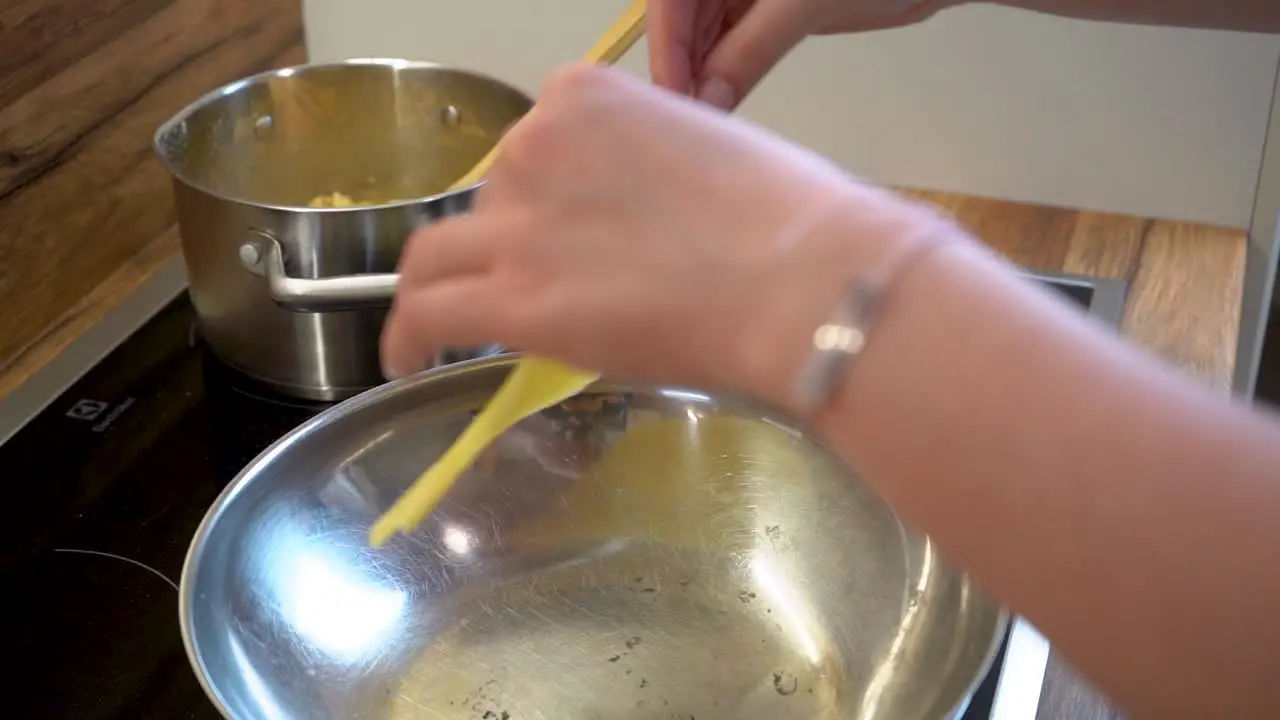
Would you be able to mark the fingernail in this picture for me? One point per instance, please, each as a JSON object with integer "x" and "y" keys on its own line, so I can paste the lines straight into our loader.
{"x": 717, "y": 93}
{"x": 391, "y": 373}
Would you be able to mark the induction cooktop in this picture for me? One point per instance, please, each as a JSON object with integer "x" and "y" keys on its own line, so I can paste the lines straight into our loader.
{"x": 111, "y": 456}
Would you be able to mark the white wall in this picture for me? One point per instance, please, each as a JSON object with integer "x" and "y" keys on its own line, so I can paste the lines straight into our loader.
{"x": 984, "y": 100}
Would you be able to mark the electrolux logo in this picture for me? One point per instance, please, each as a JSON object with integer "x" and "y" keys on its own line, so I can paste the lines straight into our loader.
{"x": 88, "y": 410}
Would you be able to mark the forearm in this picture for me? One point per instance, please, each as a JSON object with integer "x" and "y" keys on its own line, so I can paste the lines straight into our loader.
{"x": 1128, "y": 514}
{"x": 1246, "y": 15}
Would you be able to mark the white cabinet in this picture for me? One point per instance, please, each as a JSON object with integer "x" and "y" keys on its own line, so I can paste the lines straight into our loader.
{"x": 983, "y": 100}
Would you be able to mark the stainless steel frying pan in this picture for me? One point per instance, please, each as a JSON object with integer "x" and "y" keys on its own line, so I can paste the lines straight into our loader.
{"x": 637, "y": 552}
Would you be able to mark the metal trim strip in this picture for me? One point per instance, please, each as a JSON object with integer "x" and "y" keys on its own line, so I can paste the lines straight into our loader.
{"x": 1022, "y": 675}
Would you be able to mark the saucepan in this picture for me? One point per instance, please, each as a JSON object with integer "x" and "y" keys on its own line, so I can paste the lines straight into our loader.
{"x": 636, "y": 552}
{"x": 295, "y": 191}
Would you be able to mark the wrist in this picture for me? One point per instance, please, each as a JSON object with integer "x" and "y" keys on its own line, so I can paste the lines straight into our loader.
{"x": 868, "y": 234}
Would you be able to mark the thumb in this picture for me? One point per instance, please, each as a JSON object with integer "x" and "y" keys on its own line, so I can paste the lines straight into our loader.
{"x": 750, "y": 49}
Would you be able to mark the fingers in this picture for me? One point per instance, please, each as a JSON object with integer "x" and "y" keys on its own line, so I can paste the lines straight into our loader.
{"x": 460, "y": 312}
{"x": 445, "y": 293}
{"x": 671, "y": 30}
{"x": 758, "y": 42}
{"x": 445, "y": 248}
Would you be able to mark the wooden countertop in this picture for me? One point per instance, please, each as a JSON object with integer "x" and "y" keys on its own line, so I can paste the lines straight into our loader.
{"x": 88, "y": 214}
{"x": 1185, "y": 279}
{"x": 87, "y": 211}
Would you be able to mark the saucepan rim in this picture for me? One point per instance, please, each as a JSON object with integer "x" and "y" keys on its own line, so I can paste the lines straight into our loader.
{"x": 372, "y": 396}
{"x": 167, "y": 127}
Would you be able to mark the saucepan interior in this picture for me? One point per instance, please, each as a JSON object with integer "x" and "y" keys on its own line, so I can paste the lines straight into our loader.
{"x": 377, "y": 131}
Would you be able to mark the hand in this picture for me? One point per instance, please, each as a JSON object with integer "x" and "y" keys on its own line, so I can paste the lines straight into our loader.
{"x": 633, "y": 232}
{"x": 718, "y": 50}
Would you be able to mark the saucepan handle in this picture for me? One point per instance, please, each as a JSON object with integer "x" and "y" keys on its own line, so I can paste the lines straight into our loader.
{"x": 262, "y": 254}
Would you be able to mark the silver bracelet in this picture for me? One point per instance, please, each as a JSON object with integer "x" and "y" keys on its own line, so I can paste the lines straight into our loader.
{"x": 842, "y": 337}
{"x": 836, "y": 343}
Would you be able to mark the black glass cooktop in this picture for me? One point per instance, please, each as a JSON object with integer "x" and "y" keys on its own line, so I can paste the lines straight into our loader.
{"x": 102, "y": 492}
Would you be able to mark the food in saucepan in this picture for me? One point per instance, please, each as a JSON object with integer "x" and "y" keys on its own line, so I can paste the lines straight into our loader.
{"x": 342, "y": 200}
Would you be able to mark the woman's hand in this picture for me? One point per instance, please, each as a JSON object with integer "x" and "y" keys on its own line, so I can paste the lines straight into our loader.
{"x": 717, "y": 50}
{"x": 636, "y": 233}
